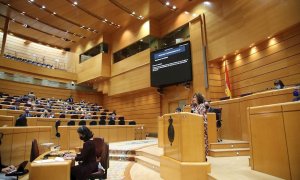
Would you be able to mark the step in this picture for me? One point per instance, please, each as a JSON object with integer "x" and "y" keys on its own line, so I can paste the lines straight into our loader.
{"x": 210, "y": 177}
{"x": 148, "y": 155}
{"x": 122, "y": 157}
{"x": 229, "y": 145}
{"x": 113, "y": 151}
{"x": 229, "y": 152}
{"x": 147, "y": 162}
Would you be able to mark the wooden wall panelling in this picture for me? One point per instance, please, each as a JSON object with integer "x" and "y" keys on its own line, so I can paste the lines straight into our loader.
{"x": 18, "y": 145}
{"x": 242, "y": 26}
{"x": 273, "y": 59}
{"x": 142, "y": 107}
{"x": 6, "y": 145}
{"x": 292, "y": 125}
{"x": 7, "y": 120}
{"x": 136, "y": 79}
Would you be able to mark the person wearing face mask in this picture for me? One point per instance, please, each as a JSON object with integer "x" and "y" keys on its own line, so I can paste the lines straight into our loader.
{"x": 278, "y": 84}
{"x": 87, "y": 157}
{"x": 197, "y": 106}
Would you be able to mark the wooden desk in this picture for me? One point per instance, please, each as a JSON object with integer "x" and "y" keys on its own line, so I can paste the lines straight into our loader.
{"x": 50, "y": 170}
{"x": 275, "y": 145}
{"x": 234, "y": 111}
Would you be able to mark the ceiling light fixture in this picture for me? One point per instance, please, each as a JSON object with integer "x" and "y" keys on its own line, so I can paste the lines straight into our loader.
{"x": 127, "y": 10}
{"x": 43, "y": 7}
{"x": 36, "y": 19}
{"x": 168, "y": 4}
{"x": 75, "y": 4}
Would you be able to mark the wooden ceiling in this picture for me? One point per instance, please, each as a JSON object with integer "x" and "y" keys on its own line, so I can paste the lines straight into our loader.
{"x": 87, "y": 19}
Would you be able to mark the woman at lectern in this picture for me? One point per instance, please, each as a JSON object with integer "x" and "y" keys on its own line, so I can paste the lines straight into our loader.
{"x": 87, "y": 157}
{"x": 197, "y": 106}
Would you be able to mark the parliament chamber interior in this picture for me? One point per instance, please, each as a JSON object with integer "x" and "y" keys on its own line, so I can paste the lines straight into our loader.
{"x": 152, "y": 89}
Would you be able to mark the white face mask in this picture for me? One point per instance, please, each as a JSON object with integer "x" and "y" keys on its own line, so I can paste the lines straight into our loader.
{"x": 278, "y": 87}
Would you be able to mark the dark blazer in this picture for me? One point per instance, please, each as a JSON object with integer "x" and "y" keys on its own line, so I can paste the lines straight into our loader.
{"x": 87, "y": 159}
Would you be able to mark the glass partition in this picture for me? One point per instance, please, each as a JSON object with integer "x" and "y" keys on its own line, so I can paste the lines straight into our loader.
{"x": 100, "y": 48}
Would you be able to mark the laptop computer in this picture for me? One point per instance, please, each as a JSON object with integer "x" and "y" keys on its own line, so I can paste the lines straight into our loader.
{"x": 19, "y": 171}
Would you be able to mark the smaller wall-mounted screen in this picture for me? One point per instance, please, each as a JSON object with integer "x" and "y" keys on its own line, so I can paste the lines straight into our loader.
{"x": 172, "y": 65}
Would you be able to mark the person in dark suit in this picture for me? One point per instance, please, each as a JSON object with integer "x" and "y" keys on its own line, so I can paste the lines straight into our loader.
{"x": 21, "y": 121}
{"x": 87, "y": 157}
{"x": 70, "y": 99}
{"x": 278, "y": 84}
{"x": 27, "y": 113}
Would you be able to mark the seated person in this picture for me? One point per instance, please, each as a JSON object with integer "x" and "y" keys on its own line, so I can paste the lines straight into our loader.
{"x": 27, "y": 113}
{"x": 14, "y": 107}
{"x": 32, "y": 96}
{"x": 21, "y": 121}
{"x": 178, "y": 110}
{"x": 296, "y": 94}
{"x": 70, "y": 99}
{"x": 87, "y": 157}
{"x": 278, "y": 84}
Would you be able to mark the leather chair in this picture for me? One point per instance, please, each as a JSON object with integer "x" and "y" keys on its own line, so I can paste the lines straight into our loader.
{"x": 82, "y": 123}
{"x": 132, "y": 123}
{"x": 93, "y": 123}
{"x": 74, "y": 117}
{"x": 34, "y": 150}
{"x": 102, "y": 122}
{"x": 102, "y": 154}
{"x": 57, "y": 123}
{"x": 71, "y": 123}
{"x": 62, "y": 116}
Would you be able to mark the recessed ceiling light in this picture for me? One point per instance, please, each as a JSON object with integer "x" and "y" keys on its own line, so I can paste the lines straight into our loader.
{"x": 167, "y": 3}
{"x": 37, "y": 19}
{"x": 133, "y": 13}
{"x": 207, "y": 3}
{"x": 43, "y": 6}
{"x": 194, "y": 15}
{"x": 54, "y": 13}
{"x": 174, "y": 7}
{"x": 8, "y": 4}
{"x": 185, "y": 12}
{"x": 75, "y": 2}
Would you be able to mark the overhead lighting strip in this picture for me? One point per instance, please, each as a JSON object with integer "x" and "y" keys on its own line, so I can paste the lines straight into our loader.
{"x": 102, "y": 19}
{"x": 127, "y": 10}
{"x": 53, "y": 13}
{"x": 37, "y": 19}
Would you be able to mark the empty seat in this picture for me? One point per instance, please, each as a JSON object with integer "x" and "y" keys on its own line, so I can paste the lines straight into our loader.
{"x": 102, "y": 122}
{"x": 94, "y": 117}
{"x": 74, "y": 116}
{"x": 82, "y": 123}
{"x": 93, "y": 123}
{"x": 132, "y": 123}
{"x": 57, "y": 123}
{"x": 102, "y": 154}
{"x": 71, "y": 123}
{"x": 121, "y": 122}
{"x": 62, "y": 116}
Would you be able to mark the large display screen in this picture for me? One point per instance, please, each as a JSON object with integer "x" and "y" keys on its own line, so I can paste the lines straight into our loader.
{"x": 172, "y": 65}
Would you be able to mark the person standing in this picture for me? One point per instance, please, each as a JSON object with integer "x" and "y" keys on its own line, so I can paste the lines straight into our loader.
{"x": 197, "y": 106}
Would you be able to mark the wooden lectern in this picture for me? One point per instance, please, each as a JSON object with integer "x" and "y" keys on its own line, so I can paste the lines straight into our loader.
{"x": 184, "y": 147}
